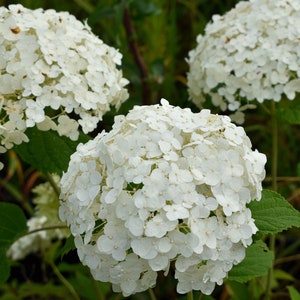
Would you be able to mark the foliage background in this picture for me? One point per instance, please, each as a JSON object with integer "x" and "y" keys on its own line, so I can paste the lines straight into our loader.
{"x": 164, "y": 33}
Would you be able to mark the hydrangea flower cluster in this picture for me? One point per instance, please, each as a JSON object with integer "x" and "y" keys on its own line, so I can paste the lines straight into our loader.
{"x": 55, "y": 73}
{"x": 252, "y": 52}
{"x": 165, "y": 188}
{"x": 46, "y": 215}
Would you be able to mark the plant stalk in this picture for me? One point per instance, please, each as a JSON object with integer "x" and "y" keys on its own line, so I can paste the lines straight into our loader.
{"x": 137, "y": 56}
{"x": 65, "y": 282}
{"x": 190, "y": 295}
{"x": 98, "y": 291}
{"x": 274, "y": 148}
{"x": 152, "y": 295}
{"x": 53, "y": 184}
{"x": 274, "y": 172}
{"x": 53, "y": 227}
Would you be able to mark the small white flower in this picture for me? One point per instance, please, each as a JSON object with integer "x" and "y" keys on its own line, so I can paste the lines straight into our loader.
{"x": 67, "y": 127}
{"x": 176, "y": 211}
{"x": 159, "y": 225}
{"x": 144, "y": 247}
{"x": 164, "y": 185}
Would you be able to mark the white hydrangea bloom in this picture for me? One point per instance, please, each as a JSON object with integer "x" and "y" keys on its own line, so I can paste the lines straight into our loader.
{"x": 252, "y": 52}
{"x": 55, "y": 73}
{"x": 164, "y": 185}
{"x": 46, "y": 215}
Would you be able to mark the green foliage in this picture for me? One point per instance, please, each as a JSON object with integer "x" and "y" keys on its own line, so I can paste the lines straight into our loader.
{"x": 282, "y": 275}
{"x": 273, "y": 213}
{"x": 47, "y": 151}
{"x": 257, "y": 262}
{"x": 145, "y": 8}
{"x": 31, "y": 290}
{"x": 294, "y": 294}
{"x": 238, "y": 290}
{"x": 68, "y": 246}
{"x": 80, "y": 277}
{"x": 291, "y": 113}
{"x": 12, "y": 226}
{"x": 12, "y": 223}
{"x": 4, "y": 265}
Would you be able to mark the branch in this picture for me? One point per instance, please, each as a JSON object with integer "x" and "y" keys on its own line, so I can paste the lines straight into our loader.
{"x": 131, "y": 37}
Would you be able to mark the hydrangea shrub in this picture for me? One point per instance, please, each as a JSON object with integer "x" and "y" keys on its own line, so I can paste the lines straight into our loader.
{"x": 55, "y": 73}
{"x": 165, "y": 188}
{"x": 251, "y": 53}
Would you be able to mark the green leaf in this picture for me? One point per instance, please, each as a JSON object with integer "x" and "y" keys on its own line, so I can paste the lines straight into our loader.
{"x": 238, "y": 290}
{"x": 89, "y": 288}
{"x": 4, "y": 266}
{"x": 47, "y": 151}
{"x": 257, "y": 262}
{"x": 12, "y": 223}
{"x": 282, "y": 275}
{"x": 273, "y": 214}
{"x": 146, "y": 8}
{"x": 45, "y": 290}
{"x": 68, "y": 246}
{"x": 290, "y": 114}
{"x": 295, "y": 295}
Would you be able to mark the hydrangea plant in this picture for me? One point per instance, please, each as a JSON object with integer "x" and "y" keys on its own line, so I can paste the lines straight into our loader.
{"x": 55, "y": 73}
{"x": 250, "y": 53}
{"x": 165, "y": 188}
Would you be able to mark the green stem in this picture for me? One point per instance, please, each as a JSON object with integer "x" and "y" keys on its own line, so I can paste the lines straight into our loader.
{"x": 53, "y": 227}
{"x": 152, "y": 295}
{"x": 11, "y": 189}
{"x": 65, "y": 282}
{"x": 200, "y": 296}
{"x": 190, "y": 295}
{"x": 274, "y": 148}
{"x": 119, "y": 296}
{"x": 53, "y": 184}
{"x": 17, "y": 195}
{"x": 274, "y": 187}
{"x": 98, "y": 291}
{"x": 271, "y": 271}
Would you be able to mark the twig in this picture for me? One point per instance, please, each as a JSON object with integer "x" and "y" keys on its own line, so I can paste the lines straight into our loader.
{"x": 46, "y": 228}
{"x": 287, "y": 259}
{"x": 65, "y": 282}
{"x": 274, "y": 174}
{"x": 131, "y": 37}
{"x": 55, "y": 187}
{"x": 190, "y": 295}
{"x": 283, "y": 178}
{"x": 152, "y": 295}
